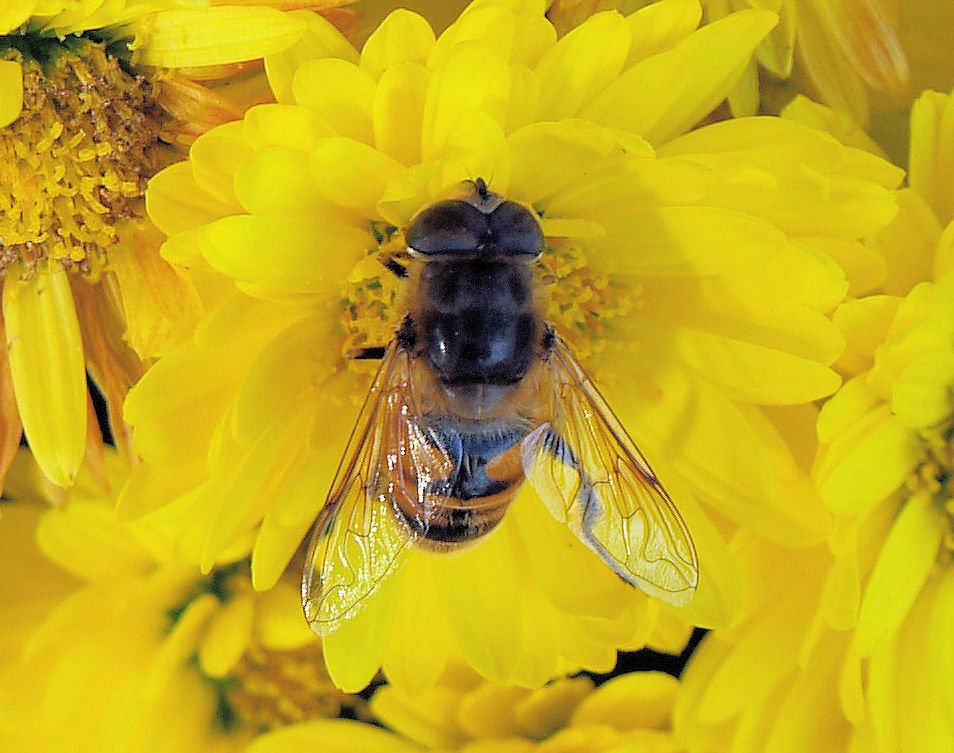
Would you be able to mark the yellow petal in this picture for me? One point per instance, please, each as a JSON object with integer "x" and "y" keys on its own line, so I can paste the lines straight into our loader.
{"x": 546, "y": 710}
{"x": 681, "y": 241}
{"x": 921, "y": 396}
{"x": 320, "y": 40}
{"x": 177, "y": 203}
{"x": 341, "y": 93}
{"x": 215, "y": 156}
{"x": 11, "y": 91}
{"x": 227, "y": 635}
{"x": 932, "y": 156}
{"x": 339, "y": 735}
{"x": 867, "y": 463}
{"x": 284, "y": 125}
{"x": 307, "y": 255}
{"x": 469, "y": 81}
{"x": 903, "y": 565}
{"x": 581, "y": 65}
{"x": 864, "y": 323}
{"x": 15, "y": 13}
{"x": 403, "y": 37}
{"x": 639, "y": 700}
{"x": 218, "y": 35}
{"x": 84, "y": 539}
{"x": 399, "y": 111}
{"x": 661, "y": 26}
{"x": 45, "y": 349}
{"x": 352, "y": 174}
{"x": 276, "y": 181}
{"x": 278, "y": 622}
{"x": 666, "y": 94}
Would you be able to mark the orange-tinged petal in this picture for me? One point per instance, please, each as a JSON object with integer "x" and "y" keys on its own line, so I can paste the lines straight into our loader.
{"x": 45, "y": 350}
{"x": 866, "y": 37}
{"x": 837, "y": 84}
{"x": 185, "y": 38}
{"x": 11, "y": 91}
{"x": 666, "y": 94}
{"x": 159, "y": 304}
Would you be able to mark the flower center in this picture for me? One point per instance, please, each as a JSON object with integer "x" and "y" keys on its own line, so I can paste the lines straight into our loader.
{"x": 270, "y": 689}
{"x": 76, "y": 161}
{"x": 580, "y": 301}
{"x": 935, "y": 473}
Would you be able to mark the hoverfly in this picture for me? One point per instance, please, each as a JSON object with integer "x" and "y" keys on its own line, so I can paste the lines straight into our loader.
{"x": 475, "y": 394}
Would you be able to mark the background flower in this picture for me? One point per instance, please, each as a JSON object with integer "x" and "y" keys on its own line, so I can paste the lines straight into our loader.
{"x": 853, "y": 637}
{"x": 87, "y": 119}
{"x": 465, "y": 714}
{"x": 108, "y": 635}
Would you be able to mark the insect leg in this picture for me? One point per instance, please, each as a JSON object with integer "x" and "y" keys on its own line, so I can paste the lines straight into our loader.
{"x": 393, "y": 265}
{"x": 375, "y": 353}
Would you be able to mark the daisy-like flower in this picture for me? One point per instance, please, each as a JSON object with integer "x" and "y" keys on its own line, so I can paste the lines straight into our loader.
{"x": 464, "y": 714}
{"x": 691, "y": 273}
{"x": 92, "y": 98}
{"x": 113, "y": 642}
{"x": 853, "y": 638}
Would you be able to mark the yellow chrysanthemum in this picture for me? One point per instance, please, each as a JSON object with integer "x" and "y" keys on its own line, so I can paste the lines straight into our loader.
{"x": 692, "y": 274}
{"x": 464, "y": 714}
{"x": 91, "y": 97}
{"x": 853, "y": 639}
{"x": 113, "y": 642}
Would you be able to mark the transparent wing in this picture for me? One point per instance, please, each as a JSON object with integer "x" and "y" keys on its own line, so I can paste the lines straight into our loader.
{"x": 591, "y": 475}
{"x": 361, "y": 533}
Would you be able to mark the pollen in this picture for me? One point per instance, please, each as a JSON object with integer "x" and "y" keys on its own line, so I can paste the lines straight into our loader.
{"x": 270, "y": 689}
{"x": 75, "y": 163}
{"x": 369, "y": 306}
{"x": 581, "y": 302}
{"x": 935, "y": 475}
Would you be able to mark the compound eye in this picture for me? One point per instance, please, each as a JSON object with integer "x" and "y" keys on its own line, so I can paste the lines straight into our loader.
{"x": 447, "y": 226}
{"x": 515, "y": 231}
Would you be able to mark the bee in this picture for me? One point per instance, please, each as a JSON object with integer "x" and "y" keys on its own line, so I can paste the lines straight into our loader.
{"x": 476, "y": 394}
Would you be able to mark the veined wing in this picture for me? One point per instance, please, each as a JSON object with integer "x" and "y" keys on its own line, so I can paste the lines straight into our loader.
{"x": 591, "y": 475}
{"x": 361, "y": 534}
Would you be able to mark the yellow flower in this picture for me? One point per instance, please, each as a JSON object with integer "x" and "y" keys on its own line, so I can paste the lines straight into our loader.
{"x": 87, "y": 118}
{"x": 853, "y": 638}
{"x": 693, "y": 274}
{"x": 109, "y": 636}
{"x": 629, "y": 713}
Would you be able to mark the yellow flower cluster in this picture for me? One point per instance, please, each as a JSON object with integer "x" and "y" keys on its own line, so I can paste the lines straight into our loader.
{"x": 218, "y": 216}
